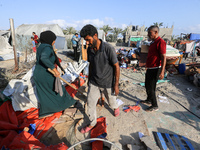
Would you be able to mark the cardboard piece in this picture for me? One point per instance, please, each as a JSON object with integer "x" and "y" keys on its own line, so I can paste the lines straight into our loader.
{"x": 144, "y": 48}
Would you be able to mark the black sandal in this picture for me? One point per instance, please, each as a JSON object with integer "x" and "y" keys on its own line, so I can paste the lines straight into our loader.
{"x": 147, "y": 102}
{"x": 152, "y": 108}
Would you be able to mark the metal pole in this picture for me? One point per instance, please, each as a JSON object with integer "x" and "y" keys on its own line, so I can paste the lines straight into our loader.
{"x": 13, "y": 43}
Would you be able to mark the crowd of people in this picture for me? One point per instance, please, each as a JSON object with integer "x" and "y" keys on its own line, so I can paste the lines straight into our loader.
{"x": 104, "y": 72}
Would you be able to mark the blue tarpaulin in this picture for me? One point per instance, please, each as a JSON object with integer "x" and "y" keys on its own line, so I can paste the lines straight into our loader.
{"x": 194, "y": 36}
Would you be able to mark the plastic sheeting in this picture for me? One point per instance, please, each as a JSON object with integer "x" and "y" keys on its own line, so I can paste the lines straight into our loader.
{"x": 135, "y": 39}
{"x": 101, "y": 35}
{"x": 60, "y": 43}
{"x": 22, "y": 92}
{"x": 194, "y": 36}
{"x": 171, "y": 51}
{"x": 9, "y": 56}
{"x": 73, "y": 71}
{"x": 11, "y": 123}
{"x": 5, "y": 47}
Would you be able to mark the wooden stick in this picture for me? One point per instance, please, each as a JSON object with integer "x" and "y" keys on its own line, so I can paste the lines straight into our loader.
{"x": 65, "y": 81}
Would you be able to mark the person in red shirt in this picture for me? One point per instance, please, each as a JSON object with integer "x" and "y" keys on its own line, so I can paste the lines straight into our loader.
{"x": 155, "y": 64}
{"x": 35, "y": 38}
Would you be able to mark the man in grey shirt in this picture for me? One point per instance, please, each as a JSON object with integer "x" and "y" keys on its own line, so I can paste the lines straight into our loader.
{"x": 104, "y": 73}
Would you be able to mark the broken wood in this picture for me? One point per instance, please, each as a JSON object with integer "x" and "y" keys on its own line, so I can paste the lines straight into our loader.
{"x": 13, "y": 44}
{"x": 84, "y": 51}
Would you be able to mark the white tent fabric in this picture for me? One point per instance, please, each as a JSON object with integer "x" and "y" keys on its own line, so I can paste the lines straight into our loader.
{"x": 28, "y": 29}
{"x": 101, "y": 35}
{"x": 5, "y": 47}
{"x": 22, "y": 92}
{"x": 24, "y": 34}
{"x": 6, "y": 50}
{"x": 189, "y": 47}
{"x": 171, "y": 51}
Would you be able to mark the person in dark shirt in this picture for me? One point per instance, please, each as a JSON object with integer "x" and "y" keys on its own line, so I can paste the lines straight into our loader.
{"x": 104, "y": 73}
{"x": 155, "y": 64}
{"x": 75, "y": 41}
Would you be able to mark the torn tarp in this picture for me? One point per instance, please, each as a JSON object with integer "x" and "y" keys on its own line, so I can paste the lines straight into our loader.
{"x": 73, "y": 71}
{"x": 22, "y": 92}
{"x": 159, "y": 81}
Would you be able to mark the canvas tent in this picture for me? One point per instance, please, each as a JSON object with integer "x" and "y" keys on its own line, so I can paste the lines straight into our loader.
{"x": 6, "y": 50}
{"x": 24, "y": 33}
{"x": 101, "y": 35}
{"x": 5, "y": 47}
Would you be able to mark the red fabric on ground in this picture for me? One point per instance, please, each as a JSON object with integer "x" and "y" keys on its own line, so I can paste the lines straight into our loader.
{"x": 11, "y": 122}
{"x": 6, "y": 137}
{"x": 8, "y": 119}
{"x": 25, "y": 140}
{"x": 72, "y": 92}
{"x": 98, "y": 130}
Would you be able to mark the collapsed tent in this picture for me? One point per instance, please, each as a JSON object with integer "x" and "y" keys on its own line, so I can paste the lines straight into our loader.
{"x": 24, "y": 34}
{"x": 22, "y": 112}
{"x": 6, "y": 50}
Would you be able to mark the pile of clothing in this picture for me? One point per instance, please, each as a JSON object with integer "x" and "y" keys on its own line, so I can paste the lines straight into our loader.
{"x": 125, "y": 57}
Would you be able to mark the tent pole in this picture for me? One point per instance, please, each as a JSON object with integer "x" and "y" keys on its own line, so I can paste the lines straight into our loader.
{"x": 13, "y": 43}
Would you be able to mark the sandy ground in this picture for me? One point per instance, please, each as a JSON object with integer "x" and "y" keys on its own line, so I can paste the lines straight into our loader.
{"x": 171, "y": 118}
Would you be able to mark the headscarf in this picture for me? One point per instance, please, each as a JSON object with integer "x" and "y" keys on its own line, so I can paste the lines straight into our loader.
{"x": 47, "y": 37}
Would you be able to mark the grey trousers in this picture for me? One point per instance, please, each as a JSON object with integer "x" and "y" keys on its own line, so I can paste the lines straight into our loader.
{"x": 92, "y": 99}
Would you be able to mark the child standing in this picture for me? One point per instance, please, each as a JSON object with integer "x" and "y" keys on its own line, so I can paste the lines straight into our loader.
{"x": 33, "y": 44}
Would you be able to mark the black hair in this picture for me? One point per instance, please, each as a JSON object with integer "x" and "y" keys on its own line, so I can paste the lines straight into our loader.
{"x": 76, "y": 34}
{"x": 34, "y": 32}
{"x": 32, "y": 37}
{"x": 153, "y": 27}
{"x": 88, "y": 30}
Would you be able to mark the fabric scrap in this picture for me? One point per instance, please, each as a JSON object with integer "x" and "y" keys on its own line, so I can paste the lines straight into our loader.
{"x": 58, "y": 86}
{"x": 99, "y": 131}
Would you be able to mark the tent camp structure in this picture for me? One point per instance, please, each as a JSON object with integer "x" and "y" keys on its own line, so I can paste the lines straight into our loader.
{"x": 101, "y": 35}
{"x": 6, "y": 50}
{"x": 24, "y": 34}
{"x": 5, "y": 47}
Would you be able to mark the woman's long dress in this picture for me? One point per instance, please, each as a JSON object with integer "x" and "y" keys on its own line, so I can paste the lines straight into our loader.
{"x": 50, "y": 101}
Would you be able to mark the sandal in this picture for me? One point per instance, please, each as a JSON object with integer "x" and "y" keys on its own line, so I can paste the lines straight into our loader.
{"x": 151, "y": 109}
{"x": 85, "y": 129}
{"x": 146, "y": 102}
{"x": 116, "y": 112}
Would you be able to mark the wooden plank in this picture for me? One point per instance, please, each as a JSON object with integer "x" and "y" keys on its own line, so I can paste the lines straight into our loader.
{"x": 84, "y": 51}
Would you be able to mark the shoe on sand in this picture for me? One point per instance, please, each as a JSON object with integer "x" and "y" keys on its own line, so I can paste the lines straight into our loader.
{"x": 146, "y": 102}
{"x": 116, "y": 112}
{"x": 151, "y": 109}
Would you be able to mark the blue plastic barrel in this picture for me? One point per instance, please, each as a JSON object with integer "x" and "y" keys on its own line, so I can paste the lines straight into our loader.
{"x": 181, "y": 68}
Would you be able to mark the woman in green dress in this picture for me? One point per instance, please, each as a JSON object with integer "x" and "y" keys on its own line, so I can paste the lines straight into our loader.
{"x": 50, "y": 101}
